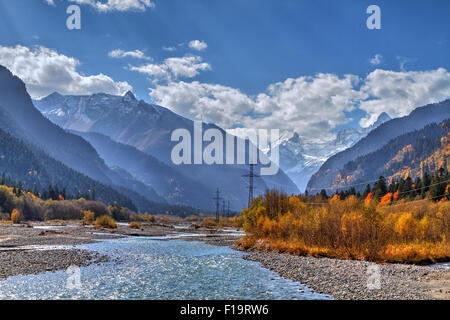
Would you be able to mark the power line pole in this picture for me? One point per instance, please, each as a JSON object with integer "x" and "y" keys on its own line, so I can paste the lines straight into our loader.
{"x": 251, "y": 187}
{"x": 217, "y": 198}
{"x": 228, "y": 209}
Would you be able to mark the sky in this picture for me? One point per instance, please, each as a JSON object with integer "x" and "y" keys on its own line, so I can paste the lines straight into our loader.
{"x": 308, "y": 66}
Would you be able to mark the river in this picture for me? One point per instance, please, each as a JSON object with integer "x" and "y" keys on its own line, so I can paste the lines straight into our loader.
{"x": 159, "y": 269}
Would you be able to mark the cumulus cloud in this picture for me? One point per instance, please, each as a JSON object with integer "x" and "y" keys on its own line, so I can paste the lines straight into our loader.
{"x": 44, "y": 71}
{"x": 216, "y": 103}
{"x": 118, "y": 53}
{"x": 376, "y": 60}
{"x": 198, "y": 45}
{"x": 174, "y": 68}
{"x": 398, "y": 93}
{"x": 114, "y": 5}
{"x": 312, "y": 106}
{"x": 303, "y": 103}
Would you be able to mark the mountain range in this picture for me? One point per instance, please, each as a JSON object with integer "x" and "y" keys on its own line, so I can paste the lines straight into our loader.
{"x": 135, "y": 135}
{"x": 329, "y": 172}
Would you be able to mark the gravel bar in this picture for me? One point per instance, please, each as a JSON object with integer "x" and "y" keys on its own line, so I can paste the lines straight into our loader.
{"x": 348, "y": 280}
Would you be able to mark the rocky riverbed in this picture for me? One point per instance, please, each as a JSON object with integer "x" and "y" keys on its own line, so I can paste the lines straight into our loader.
{"x": 356, "y": 280}
{"x": 36, "y": 247}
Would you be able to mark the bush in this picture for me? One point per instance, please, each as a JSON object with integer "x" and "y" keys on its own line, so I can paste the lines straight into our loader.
{"x": 88, "y": 217}
{"x": 16, "y": 217}
{"x": 62, "y": 210}
{"x": 135, "y": 225}
{"x": 105, "y": 222}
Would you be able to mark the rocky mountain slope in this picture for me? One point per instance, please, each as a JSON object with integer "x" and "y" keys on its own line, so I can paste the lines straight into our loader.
{"x": 22, "y": 120}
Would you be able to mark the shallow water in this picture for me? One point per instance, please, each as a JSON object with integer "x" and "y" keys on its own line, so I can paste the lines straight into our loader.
{"x": 154, "y": 269}
{"x": 445, "y": 265}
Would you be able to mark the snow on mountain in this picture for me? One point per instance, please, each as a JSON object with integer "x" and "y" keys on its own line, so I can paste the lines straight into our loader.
{"x": 301, "y": 157}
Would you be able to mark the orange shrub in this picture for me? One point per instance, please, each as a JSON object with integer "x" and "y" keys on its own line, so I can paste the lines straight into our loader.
{"x": 16, "y": 217}
{"x": 386, "y": 200}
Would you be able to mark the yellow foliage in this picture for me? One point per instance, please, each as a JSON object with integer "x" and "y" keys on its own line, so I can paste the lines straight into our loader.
{"x": 105, "y": 222}
{"x": 88, "y": 217}
{"x": 406, "y": 226}
{"x": 134, "y": 225}
{"x": 351, "y": 229}
{"x": 16, "y": 217}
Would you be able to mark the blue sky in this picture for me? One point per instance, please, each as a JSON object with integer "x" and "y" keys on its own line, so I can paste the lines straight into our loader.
{"x": 251, "y": 45}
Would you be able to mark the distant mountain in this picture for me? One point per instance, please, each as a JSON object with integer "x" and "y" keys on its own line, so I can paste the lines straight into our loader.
{"x": 408, "y": 155}
{"x": 171, "y": 184}
{"x": 300, "y": 158}
{"x": 148, "y": 128}
{"x": 21, "y": 119}
{"x": 376, "y": 139}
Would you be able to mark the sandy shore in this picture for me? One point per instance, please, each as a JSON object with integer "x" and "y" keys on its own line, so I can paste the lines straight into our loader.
{"x": 338, "y": 278}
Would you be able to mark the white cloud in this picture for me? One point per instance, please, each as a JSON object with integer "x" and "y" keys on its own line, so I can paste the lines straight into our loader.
{"x": 50, "y": 2}
{"x": 118, "y": 53}
{"x": 170, "y": 49}
{"x": 312, "y": 106}
{"x": 376, "y": 60}
{"x": 398, "y": 93}
{"x": 44, "y": 71}
{"x": 198, "y": 45}
{"x": 303, "y": 104}
{"x": 174, "y": 68}
{"x": 117, "y": 5}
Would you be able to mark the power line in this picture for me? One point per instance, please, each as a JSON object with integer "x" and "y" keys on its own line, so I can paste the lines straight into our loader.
{"x": 404, "y": 192}
{"x": 346, "y": 187}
